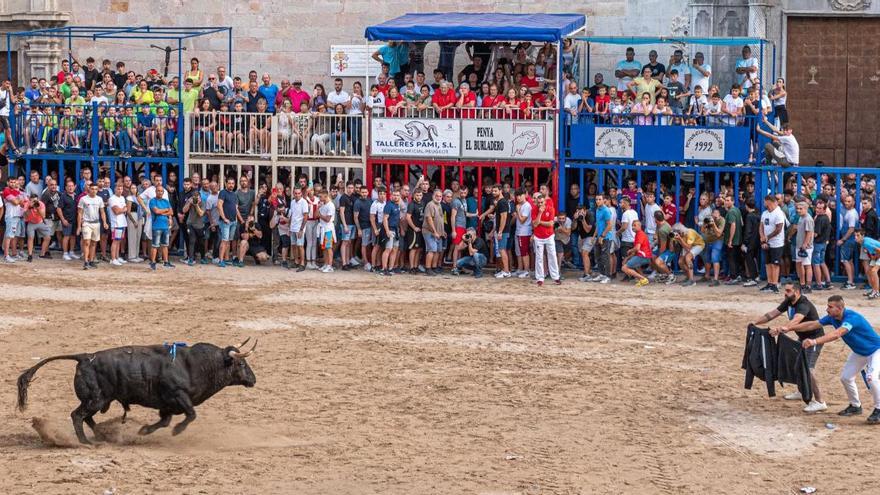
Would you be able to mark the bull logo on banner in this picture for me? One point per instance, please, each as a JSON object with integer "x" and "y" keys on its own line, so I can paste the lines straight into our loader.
{"x": 416, "y": 131}
{"x": 614, "y": 142}
{"x": 525, "y": 141}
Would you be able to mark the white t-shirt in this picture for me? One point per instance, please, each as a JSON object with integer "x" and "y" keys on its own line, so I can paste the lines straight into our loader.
{"x": 745, "y": 80}
{"x": 14, "y": 211}
{"x": 650, "y": 223}
{"x": 117, "y": 220}
{"x": 4, "y": 112}
{"x": 297, "y": 213}
{"x": 769, "y": 221}
{"x": 628, "y": 217}
{"x": 698, "y": 79}
{"x": 333, "y": 98}
{"x": 524, "y": 228}
{"x": 850, "y": 220}
{"x": 376, "y": 104}
{"x": 733, "y": 103}
{"x": 790, "y": 148}
{"x": 328, "y": 209}
{"x": 624, "y": 65}
{"x": 91, "y": 208}
{"x": 377, "y": 210}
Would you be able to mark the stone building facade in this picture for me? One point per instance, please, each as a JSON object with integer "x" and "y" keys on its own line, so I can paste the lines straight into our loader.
{"x": 819, "y": 44}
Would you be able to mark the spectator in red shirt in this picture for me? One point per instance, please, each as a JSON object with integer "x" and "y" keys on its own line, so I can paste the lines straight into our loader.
{"x": 670, "y": 211}
{"x": 602, "y": 102}
{"x": 394, "y": 104}
{"x": 525, "y": 107}
{"x": 383, "y": 85}
{"x": 639, "y": 256}
{"x": 444, "y": 100}
{"x": 542, "y": 228}
{"x": 466, "y": 99}
{"x": 511, "y": 105}
{"x": 530, "y": 79}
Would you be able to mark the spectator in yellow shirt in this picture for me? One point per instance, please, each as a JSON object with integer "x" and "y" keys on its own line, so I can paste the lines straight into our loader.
{"x": 645, "y": 84}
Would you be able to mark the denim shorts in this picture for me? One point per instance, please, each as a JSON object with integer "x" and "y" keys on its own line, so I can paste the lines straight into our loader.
{"x": 502, "y": 243}
{"x": 848, "y": 250}
{"x": 667, "y": 257}
{"x": 228, "y": 230}
{"x": 347, "y": 234}
{"x": 637, "y": 262}
{"x": 366, "y": 236}
{"x": 432, "y": 243}
{"x": 819, "y": 253}
{"x": 160, "y": 237}
{"x": 713, "y": 252}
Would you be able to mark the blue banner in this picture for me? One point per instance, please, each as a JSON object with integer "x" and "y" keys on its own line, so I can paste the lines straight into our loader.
{"x": 658, "y": 143}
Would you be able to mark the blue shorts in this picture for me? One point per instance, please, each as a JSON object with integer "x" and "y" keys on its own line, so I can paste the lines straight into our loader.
{"x": 637, "y": 262}
{"x": 228, "y": 230}
{"x": 366, "y": 236}
{"x": 298, "y": 238}
{"x": 502, "y": 243}
{"x": 67, "y": 231}
{"x": 712, "y": 253}
{"x": 819, "y": 253}
{"x": 848, "y": 250}
{"x": 432, "y": 243}
{"x": 347, "y": 234}
{"x": 160, "y": 238}
{"x": 667, "y": 257}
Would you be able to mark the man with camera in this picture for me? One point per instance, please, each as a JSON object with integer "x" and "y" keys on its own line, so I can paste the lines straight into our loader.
{"x": 585, "y": 225}
{"x": 36, "y": 224}
{"x": 692, "y": 245}
{"x": 543, "y": 225}
{"x": 477, "y": 253}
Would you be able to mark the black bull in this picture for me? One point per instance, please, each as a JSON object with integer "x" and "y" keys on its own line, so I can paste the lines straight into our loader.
{"x": 149, "y": 376}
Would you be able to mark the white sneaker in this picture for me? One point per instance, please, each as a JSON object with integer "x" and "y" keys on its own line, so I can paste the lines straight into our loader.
{"x": 10, "y": 259}
{"x": 502, "y": 275}
{"x": 135, "y": 260}
{"x": 671, "y": 279}
{"x": 311, "y": 265}
{"x": 75, "y": 256}
{"x": 368, "y": 267}
{"x": 327, "y": 269}
{"x": 354, "y": 262}
{"x": 815, "y": 406}
{"x": 121, "y": 260}
{"x": 652, "y": 277}
{"x": 66, "y": 257}
{"x": 116, "y": 262}
{"x": 522, "y": 274}
{"x": 604, "y": 280}
{"x": 793, "y": 396}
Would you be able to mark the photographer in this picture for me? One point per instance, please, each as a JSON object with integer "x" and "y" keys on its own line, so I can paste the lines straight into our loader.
{"x": 712, "y": 229}
{"x": 692, "y": 245}
{"x": 562, "y": 233}
{"x": 477, "y": 253}
{"x": 249, "y": 244}
{"x": 194, "y": 213}
{"x": 35, "y": 217}
{"x": 585, "y": 224}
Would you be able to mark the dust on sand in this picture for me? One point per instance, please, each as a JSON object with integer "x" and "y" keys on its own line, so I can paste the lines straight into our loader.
{"x": 416, "y": 385}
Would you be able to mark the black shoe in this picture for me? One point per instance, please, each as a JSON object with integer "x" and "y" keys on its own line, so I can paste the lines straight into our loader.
{"x": 85, "y": 266}
{"x": 346, "y": 268}
{"x": 30, "y": 258}
{"x": 851, "y": 410}
{"x": 93, "y": 264}
{"x": 284, "y": 264}
{"x": 874, "y": 418}
{"x": 774, "y": 289}
{"x": 46, "y": 256}
{"x": 431, "y": 273}
{"x": 414, "y": 271}
{"x": 766, "y": 288}
{"x": 301, "y": 268}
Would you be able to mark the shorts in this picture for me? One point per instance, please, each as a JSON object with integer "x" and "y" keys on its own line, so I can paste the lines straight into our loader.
{"x": 285, "y": 241}
{"x": 805, "y": 260}
{"x": 522, "y": 245}
{"x": 502, "y": 243}
{"x": 11, "y": 228}
{"x": 21, "y": 230}
{"x": 667, "y": 257}
{"x": 366, "y": 236}
{"x": 160, "y": 238}
{"x": 818, "y": 254}
{"x": 56, "y": 226}
{"x": 118, "y": 233}
{"x": 44, "y": 229}
{"x": 773, "y": 255}
{"x": 91, "y": 231}
{"x": 696, "y": 250}
{"x": 327, "y": 240}
{"x": 228, "y": 230}
{"x": 347, "y": 234}
{"x": 413, "y": 240}
{"x": 847, "y": 251}
{"x": 67, "y": 231}
{"x": 432, "y": 243}
{"x": 637, "y": 262}
{"x": 863, "y": 255}
{"x": 813, "y": 355}
{"x": 393, "y": 241}
{"x": 255, "y": 248}
{"x": 299, "y": 239}
{"x": 625, "y": 247}
{"x": 459, "y": 233}
{"x": 875, "y": 262}
{"x": 713, "y": 254}
{"x": 585, "y": 244}
{"x": 561, "y": 247}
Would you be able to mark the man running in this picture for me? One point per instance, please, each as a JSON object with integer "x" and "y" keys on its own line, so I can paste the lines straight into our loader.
{"x": 864, "y": 342}
{"x": 799, "y": 309}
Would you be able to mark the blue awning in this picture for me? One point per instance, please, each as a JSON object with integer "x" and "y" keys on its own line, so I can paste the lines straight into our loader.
{"x": 459, "y": 26}
{"x": 660, "y": 40}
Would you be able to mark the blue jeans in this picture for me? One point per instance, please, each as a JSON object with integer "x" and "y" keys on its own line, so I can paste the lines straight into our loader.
{"x": 575, "y": 252}
{"x": 475, "y": 262}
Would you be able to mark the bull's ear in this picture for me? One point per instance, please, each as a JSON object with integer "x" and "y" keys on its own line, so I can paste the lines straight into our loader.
{"x": 227, "y": 359}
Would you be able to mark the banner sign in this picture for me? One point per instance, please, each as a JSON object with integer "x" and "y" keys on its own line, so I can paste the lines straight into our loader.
{"x": 508, "y": 139}
{"x": 704, "y": 144}
{"x": 352, "y": 61}
{"x": 434, "y": 138}
{"x": 614, "y": 142}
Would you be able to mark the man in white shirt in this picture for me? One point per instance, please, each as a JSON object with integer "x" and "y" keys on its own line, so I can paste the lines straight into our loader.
{"x": 732, "y": 106}
{"x": 117, "y": 205}
{"x": 788, "y": 152}
{"x": 297, "y": 213}
{"x": 701, "y": 73}
{"x": 377, "y": 214}
{"x": 627, "y": 69}
{"x": 772, "y": 241}
{"x": 626, "y": 232}
{"x": 570, "y": 103}
{"x": 676, "y": 61}
{"x": 224, "y": 80}
{"x": 337, "y": 96}
{"x": 326, "y": 230}
{"x": 650, "y": 224}
{"x": 746, "y": 68}
{"x": 523, "y": 233}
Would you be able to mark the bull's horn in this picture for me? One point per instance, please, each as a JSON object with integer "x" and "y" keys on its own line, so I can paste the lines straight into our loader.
{"x": 239, "y": 355}
{"x": 254, "y": 348}
{"x": 239, "y": 346}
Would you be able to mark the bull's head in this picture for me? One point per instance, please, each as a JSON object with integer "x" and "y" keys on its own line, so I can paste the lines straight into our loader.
{"x": 240, "y": 372}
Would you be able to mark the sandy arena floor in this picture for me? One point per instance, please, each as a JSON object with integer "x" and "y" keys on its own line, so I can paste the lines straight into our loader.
{"x": 420, "y": 386}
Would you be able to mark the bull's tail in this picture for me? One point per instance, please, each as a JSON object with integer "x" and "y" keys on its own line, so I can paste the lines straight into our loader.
{"x": 25, "y": 379}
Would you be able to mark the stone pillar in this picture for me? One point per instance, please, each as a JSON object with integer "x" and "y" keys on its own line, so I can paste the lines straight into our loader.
{"x": 39, "y": 57}
{"x": 758, "y": 17}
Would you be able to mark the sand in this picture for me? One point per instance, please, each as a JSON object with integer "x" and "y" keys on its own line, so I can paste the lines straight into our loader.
{"x": 369, "y": 385}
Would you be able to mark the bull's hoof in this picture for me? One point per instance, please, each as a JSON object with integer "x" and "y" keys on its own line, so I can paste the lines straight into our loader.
{"x": 146, "y": 430}
{"x": 178, "y": 429}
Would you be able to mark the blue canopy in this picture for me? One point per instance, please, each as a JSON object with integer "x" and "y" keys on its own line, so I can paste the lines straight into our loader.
{"x": 459, "y": 26}
{"x": 658, "y": 40}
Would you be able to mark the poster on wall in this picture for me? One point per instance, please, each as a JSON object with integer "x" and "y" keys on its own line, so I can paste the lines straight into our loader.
{"x": 704, "y": 144}
{"x": 416, "y": 137}
{"x": 614, "y": 142}
{"x": 352, "y": 61}
{"x": 508, "y": 139}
